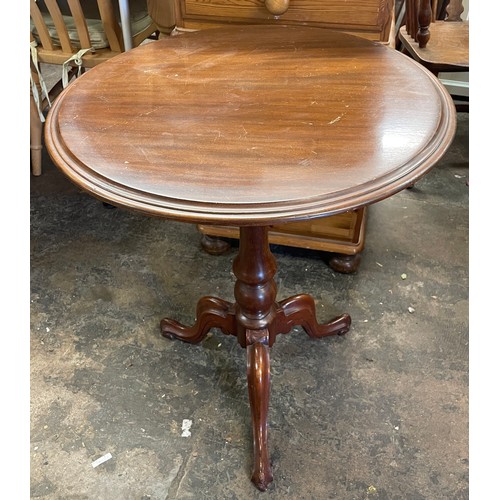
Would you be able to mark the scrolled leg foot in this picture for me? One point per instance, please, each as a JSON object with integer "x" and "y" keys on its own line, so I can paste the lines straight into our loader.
{"x": 300, "y": 310}
{"x": 211, "y": 312}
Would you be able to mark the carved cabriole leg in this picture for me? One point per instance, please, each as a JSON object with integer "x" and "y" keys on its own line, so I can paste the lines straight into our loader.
{"x": 258, "y": 377}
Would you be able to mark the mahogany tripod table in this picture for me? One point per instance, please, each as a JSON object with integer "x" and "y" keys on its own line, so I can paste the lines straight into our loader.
{"x": 251, "y": 126}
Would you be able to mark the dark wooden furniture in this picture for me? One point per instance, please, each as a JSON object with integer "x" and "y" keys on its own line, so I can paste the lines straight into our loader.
{"x": 340, "y": 237}
{"x": 250, "y": 127}
{"x": 439, "y": 45}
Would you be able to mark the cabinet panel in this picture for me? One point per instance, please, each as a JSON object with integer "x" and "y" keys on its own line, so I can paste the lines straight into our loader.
{"x": 370, "y": 18}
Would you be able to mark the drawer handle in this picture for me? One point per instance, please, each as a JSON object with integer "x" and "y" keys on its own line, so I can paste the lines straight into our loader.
{"x": 277, "y": 7}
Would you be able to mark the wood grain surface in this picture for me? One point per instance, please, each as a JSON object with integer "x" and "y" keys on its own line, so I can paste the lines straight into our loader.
{"x": 251, "y": 125}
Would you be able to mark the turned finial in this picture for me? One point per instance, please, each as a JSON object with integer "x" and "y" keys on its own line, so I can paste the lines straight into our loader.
{"x": 277, "y": 7}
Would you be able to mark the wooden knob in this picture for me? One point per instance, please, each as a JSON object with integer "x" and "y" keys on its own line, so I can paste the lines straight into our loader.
{"x": 277, "y": 7}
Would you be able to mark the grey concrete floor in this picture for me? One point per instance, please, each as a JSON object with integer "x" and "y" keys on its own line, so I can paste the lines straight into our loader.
{"x": 381, "y": 413}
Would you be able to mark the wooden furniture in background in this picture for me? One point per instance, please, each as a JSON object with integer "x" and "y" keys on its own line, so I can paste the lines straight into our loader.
{"x": 341, "y": 237}
{"x": 223, "y": 120}
{"x": 439, "y": 45}
{"x": 163, "y": 14}
{"x": 371, "y": 19}
{"x": 62, "y": 28}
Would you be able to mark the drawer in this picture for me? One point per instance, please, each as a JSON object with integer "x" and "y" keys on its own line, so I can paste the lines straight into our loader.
{"x": 370, "y": 18}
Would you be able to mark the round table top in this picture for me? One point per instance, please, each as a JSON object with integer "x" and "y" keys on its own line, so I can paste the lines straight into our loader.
{"x": 251, "y": 125}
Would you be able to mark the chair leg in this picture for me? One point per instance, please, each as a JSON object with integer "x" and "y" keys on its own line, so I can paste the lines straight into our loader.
{"x": 36, "y": 128}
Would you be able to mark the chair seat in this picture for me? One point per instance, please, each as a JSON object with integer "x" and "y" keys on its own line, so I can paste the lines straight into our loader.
{"x": 139, "y": 20}
{"x": 447, "y": 50}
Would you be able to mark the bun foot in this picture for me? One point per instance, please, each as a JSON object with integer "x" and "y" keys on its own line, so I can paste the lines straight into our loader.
{"x": 214, "y": 246}
{"x": 346, "y": 264}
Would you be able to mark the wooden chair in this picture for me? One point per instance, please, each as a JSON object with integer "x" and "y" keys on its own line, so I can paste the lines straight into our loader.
{"x": 163, "y": 14}
{"x": 341, "y": 236}
{"x": 75, "y": 35}
{"x": 439, "y": 45}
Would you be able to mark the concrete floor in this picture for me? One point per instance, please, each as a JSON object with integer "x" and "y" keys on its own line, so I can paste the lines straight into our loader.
{"x": 381, "y": 413}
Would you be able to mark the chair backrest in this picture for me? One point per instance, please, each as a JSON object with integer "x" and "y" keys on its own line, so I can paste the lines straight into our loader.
{"x": 75, "y": 34}
{"x": 372, "y": 19}
{"x": 61, "y": 28}
{"x": 421, "y": 13}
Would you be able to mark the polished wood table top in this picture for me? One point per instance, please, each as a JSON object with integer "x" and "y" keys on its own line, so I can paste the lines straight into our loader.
{"x": 251, "y": 126}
